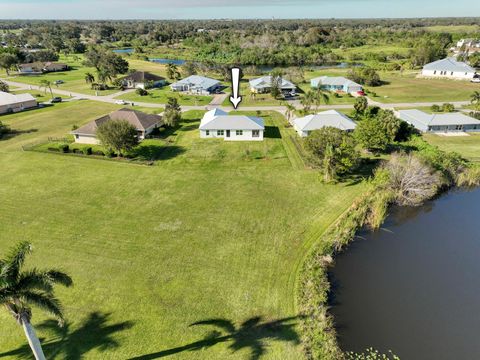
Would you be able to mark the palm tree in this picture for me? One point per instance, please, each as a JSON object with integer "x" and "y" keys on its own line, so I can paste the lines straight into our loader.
{"x": 475, "y": 100}
{"x": 46, "y": 84}
{"x": 19, "y": 290}
{"x": 321, "y": 95}
{"x": 289, "y": 111}
{"x": 172, "y": 72}
{"x": 307, "y": 101}
{"x": 89, "y": 78}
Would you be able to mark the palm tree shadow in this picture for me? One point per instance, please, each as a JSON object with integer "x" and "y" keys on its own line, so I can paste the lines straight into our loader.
{"x": 253, "y": 334}
{"x": 93, "y": 333}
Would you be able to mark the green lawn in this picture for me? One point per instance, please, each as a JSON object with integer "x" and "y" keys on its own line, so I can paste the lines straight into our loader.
{"x": 215, "y": 231}
{"x": 409, "y": 88}
{"x": 74, "y": 79}
{"x": 467, "y": 146}
{"x": 161, "y": 95}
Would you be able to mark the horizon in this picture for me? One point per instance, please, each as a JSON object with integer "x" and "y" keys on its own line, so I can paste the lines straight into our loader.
{"x": 227, "y": 10}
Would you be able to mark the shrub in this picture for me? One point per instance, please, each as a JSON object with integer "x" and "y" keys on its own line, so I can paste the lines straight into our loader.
{"x": 87, "y": 150}
{"x": 141, "y": 92}
{"x": 435, "y": 108}
{"x": 77, "y": 151}
{"x": 53, "y": 149}
{"x": 110, "y": 153}
{"x": 448, "y": 107}
{"x": 4, "y": 129}
{"x": 64, "y": 148}
{"x": 98, "y": 153}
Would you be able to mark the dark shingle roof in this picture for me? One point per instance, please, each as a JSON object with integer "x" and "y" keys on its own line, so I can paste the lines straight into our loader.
{"x": 142, "y": 76}
{"x": 140, "y": 120}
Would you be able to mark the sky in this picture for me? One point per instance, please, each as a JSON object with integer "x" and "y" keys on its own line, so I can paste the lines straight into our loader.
{"x": 244, "y": 9}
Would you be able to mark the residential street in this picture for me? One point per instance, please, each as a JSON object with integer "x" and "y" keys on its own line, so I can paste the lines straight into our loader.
{"x": 218, "y": 100}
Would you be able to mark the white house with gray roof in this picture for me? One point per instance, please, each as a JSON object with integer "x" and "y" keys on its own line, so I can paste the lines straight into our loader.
{"x": 264, "y": 84}
{"x": 10, "y": 103}
{"x": 449, "y": 68}
{"x": 336, "y": 83}
{"x": 217, "y": 123}
{"x": 331, "y": 118}
{"x": 439, "y": 123}
{"x": 196, "y": 84}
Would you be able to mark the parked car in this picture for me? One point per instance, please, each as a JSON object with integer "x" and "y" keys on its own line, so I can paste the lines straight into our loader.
{"x": 121, "y": 102}
{"x": 58, "y": 82}
{"x": 56, "y": 99}
{"x": 476, "y": 80}
{"x": 361, "y": 93}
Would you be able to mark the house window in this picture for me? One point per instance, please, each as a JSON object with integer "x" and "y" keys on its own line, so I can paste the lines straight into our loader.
{"x": 220, "y": 132}
{"x": 451, "y": 73}
{"x": 76, "y": 136}
{"x": 207, "y": 132}
{"x": 239, "y": 132}
{"x": 434, "y": 72}
{"x": 255, "y": 133}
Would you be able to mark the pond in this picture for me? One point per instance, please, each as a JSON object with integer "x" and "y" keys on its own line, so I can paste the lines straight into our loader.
{"x": 413, "y": 287}
{"x": 167, "y": 61}
{"x": 124, "y": 51}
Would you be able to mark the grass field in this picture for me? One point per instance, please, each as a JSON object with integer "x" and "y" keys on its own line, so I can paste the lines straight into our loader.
{"x": 153, "y": 250}
{"x": 409, "y": 88}
{"x": 160, "y": 96}
{"x": 467, "y": 146}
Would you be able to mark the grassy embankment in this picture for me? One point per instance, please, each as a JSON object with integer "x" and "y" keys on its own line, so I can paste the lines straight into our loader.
{"x": 213, "y": 231}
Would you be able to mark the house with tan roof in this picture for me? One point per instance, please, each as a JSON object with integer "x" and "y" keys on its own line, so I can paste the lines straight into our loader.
{"x": 141, "y": 79}
{"x": 144, "y": 123}
{"x": 10, "y": 103}
{"x": 40, "y": 67}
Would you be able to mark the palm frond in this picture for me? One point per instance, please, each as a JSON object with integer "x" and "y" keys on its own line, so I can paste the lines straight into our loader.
{"x": 44, "y": 301}
{"x": 15, "y": 260}
{"x": 59, "y": 277}
{"x": 34, "y": 280}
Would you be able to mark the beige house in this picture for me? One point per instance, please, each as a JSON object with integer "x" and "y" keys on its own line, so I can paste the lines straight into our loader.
{"x": 144, "y": 123}
{"x": 140, "y": 79}
{"x": 10, "y": 103}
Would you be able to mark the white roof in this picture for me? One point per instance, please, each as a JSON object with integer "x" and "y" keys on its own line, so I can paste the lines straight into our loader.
{"x": 266, "y": 81}
{"x": 449, "y": 65}
{"x": 335, "y": 81}
{"x": 437, "y": 119}
{"x": 10, "y": 99}
{"x": 219, "y": 120}
{"x": 197, "y": 81}
{"x": 330, "y": 118}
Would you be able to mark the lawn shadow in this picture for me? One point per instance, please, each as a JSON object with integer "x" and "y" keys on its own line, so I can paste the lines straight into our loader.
{"x": 272, "y": 132}
{"x": 252, "y": 334}
{"x": 13, "y": 133}
{"x": 170, "y": 152}
{"x": 94, "y": 332}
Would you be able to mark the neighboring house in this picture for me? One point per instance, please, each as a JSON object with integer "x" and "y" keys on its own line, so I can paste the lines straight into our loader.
{"x": 217, "y": 123}
{"x": 41, "y": 67}
{"x": 144, "y": 123}
{"x": 331, "y": 118}
{"x": 13, "y": 103}
{"x": 138, "y": 79}
{"x": 448, "y": 122}
{"x": 196, "y": 84}
{"x": 337, "y": 83}
{"x": 264, "y": 84}
{"x": 449, "y": 68}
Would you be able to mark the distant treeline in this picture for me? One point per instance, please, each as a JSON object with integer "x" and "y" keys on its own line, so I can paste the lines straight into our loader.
{"x": 407, "y": 42}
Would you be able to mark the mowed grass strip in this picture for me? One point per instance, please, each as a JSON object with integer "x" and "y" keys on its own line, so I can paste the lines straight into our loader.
{"x": 154, "y": 249}
{"x": 467, "y": 146}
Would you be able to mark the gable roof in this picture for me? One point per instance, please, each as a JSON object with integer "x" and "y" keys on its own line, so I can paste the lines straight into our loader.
{"x": 330, "y": 118}
{"x": 266, "y": 82}
{"x": 449, "y": 64}
{"x": 10, "y": 99}
{"x": 436, "y": 119}
{"x": 219, "y": 120}
{"x": 140, "y": 120}
{"x": 335, "y": 81}
{"x": 142, "y": 76}
{"x": 197, "y": 81}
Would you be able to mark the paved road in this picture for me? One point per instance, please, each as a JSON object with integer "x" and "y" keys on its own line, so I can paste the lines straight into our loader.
{"x": 218, "y": 100}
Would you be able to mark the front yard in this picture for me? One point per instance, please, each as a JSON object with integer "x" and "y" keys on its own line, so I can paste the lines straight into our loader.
{"x": 214, "y": 232}
{"x": 161, "y": 95}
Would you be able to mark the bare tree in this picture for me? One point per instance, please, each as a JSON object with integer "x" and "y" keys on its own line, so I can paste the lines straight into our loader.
{"x": 412, "y": 180}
